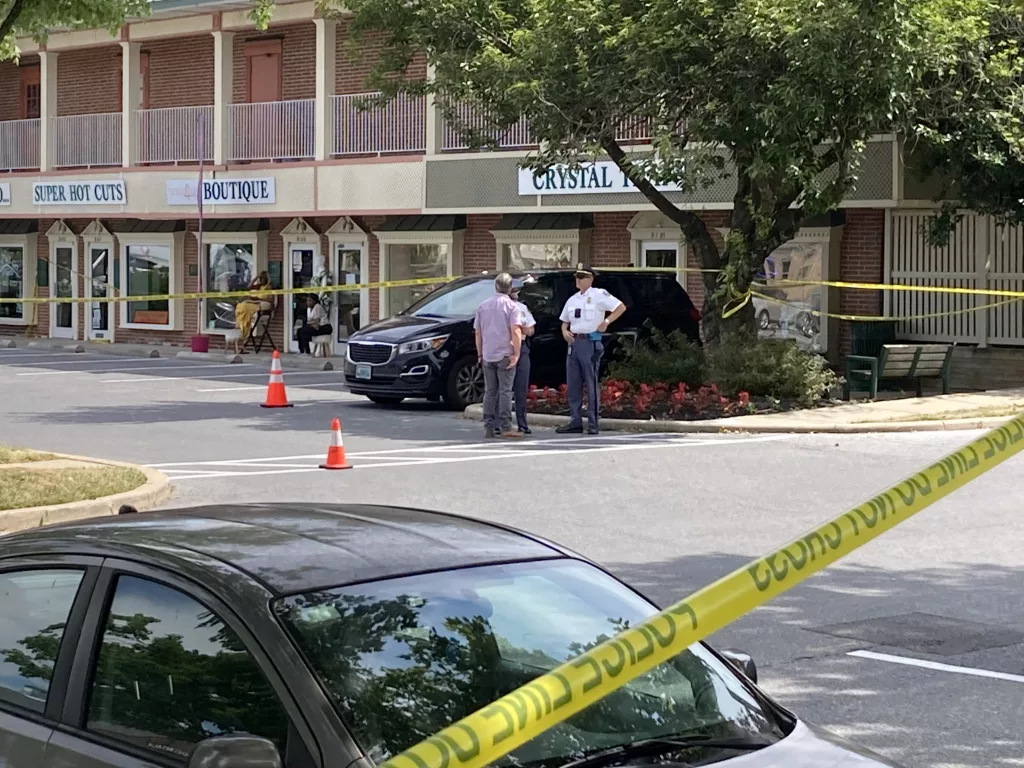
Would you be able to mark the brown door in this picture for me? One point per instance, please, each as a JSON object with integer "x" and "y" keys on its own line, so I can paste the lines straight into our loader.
{"x": 263, "y": 76}
{"x": 31, "y": 93}
{"x": 260, "y": 131}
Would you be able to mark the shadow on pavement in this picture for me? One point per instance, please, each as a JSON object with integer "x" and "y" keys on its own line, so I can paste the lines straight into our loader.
{"x": 919, "y": 718}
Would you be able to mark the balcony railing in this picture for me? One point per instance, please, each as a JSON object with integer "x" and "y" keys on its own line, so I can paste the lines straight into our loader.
{"x": 398, "y": 126}
{"x": 517, "y": 136}
{"x": 19, "y": 145}
{"x": 172, "y": 135}
{"x": 272, "y": 130}
{"x": 87, "y": 140}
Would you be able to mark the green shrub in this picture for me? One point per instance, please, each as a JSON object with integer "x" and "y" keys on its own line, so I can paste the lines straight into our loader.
{"x": 668, "y": 358}
{"x": 777, "y": 368}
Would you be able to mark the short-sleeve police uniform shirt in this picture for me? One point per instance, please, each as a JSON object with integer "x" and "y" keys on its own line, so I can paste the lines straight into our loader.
{"x": 585, "y": 311}
{"x": 526, "y": 318}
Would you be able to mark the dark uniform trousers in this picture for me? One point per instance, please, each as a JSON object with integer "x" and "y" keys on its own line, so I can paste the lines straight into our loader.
{"x": 581, "y": 366}
{"x": 521, "y": 385}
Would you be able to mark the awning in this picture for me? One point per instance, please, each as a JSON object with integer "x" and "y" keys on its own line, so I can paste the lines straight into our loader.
{"x": 147, "y": 226}
{"x": 544, "y": 221}
{"x": 423, "y": 223}
{"x": 19, "y": 226}
{"x": 236, "y": 225}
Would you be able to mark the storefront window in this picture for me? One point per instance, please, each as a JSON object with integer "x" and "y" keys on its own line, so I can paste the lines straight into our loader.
{"x": 526, "y": 257}
{"x": 787, "y": 311}
{"x": 230, "y": 267}
{"x": 12, "y": 286}
{"x": 414, "y": 262}
{"x": 149, "y": 274}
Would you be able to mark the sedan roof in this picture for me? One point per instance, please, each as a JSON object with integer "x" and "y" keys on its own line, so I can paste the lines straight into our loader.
{"x": 298, "y": 547}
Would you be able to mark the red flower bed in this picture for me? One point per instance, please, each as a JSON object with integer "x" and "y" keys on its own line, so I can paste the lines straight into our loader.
{"x": 622, "y": 400}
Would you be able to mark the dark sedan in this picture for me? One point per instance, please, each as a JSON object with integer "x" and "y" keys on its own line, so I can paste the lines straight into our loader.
{"x": 291, "y": 636}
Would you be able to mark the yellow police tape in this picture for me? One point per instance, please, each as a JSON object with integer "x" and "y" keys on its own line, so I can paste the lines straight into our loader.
{"x": 881, "y": 318}
{"x": 257, "y": 292}
{"x": 497, "y": 729}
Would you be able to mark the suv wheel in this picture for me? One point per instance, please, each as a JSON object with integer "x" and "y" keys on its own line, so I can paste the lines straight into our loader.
{"x": 385, "y": 400}
{"x": 465, "y": 385}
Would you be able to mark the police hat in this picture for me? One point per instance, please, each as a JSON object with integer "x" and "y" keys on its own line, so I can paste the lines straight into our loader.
{"x": 583, "y": 270}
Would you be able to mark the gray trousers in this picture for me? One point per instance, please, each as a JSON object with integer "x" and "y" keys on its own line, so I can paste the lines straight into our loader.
{"x": 498, "y": 379}
{"x": 522, "y": 386}
{"x": 581, "y": 366}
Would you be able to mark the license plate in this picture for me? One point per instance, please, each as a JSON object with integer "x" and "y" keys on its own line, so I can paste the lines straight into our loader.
{"x": 364, "y": 372}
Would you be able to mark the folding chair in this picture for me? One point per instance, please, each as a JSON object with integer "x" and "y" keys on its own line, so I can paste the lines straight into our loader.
{"x": 259, "y": 334}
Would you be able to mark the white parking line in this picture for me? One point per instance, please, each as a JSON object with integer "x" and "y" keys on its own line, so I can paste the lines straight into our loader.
{"x": 15, "y": 354}
{"x": 142, "y": 368}
{"x": 264, "y": 386}
{"x": 80, "y": 360}
{"x": 403, "y": 461}
{"x": 936, "y": 666}
{"x": 219, "y": 376}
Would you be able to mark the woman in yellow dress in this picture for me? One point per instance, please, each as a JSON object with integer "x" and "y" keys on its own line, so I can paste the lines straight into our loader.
{"x": 247, "y": 309}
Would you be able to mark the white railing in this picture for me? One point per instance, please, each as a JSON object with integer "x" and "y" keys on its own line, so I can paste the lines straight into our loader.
{"x": 272, "y": 130}
{"x": 398, "y": 126}
{"x": 516, "y": 136}
{"x": 19, "y": 144}
{"x": 87, "y": 140}
{"x": 172, "y": 135}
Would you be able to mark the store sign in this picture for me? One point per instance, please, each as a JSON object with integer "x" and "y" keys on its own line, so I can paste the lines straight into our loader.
{"x": 5, "y": 194}
{"x": 223, "y": 191}
{"x": 588, "y": 179}
{"x": 79, "y": 193}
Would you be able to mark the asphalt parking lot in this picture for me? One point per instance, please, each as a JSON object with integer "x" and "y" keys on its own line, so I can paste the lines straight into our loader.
{"x": 912, "y": 646}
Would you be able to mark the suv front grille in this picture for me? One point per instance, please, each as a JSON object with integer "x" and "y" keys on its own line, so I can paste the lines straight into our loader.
{"x": 374, "y": 353}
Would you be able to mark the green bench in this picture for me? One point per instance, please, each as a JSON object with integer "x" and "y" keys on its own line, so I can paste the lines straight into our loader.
{"x": 898, "y": 362}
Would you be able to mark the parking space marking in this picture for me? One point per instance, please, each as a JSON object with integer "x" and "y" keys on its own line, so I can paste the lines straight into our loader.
{"x": 82, "y": 360}
{"x": 394, "y": 458}
{"x": 220, "y": 376}
{"x": 937, "y": 667}
{"x": 199, "y": 366}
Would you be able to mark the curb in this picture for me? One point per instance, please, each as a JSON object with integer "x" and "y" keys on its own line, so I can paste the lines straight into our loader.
{"x": 153, "y": 492}
{"x": 7, "y": 344}
{"x": 58, "y": 345}
{"x": 718, "y": 426}
{"x": 226, "y": 357}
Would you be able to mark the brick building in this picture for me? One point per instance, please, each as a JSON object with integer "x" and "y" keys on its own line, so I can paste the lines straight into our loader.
{"x": 100, "y": 138}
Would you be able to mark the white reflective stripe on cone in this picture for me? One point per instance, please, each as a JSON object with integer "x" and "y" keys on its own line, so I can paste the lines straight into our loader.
{"x": 276, "y": 377}
{"x": 336, "y": 439}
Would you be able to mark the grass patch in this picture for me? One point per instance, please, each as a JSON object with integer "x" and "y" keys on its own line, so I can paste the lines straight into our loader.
{"x": 44, "y": 487}
{"x": 11, "y": 455}
{"x": 991, "y": 412}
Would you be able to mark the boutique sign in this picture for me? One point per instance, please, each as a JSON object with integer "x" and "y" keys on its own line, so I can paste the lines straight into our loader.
{"x": 222, "y": 192}
{"x": 588, "y": 179}
{"x": 79, "y": 193}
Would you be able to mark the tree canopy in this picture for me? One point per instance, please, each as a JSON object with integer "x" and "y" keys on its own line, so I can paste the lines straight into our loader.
{"x": 34, "y": 18}
{"x": 780, "y": 95}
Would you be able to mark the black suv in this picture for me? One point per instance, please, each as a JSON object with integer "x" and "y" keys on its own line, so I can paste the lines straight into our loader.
{"x": 428, "y": 350}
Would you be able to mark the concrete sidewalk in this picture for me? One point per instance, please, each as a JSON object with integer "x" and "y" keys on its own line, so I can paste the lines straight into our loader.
{"x": 969, "y": 410}
{"x": 216, "y": 354}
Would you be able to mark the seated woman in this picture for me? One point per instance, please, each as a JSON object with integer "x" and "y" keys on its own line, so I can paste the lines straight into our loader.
{"x": 249, "y": 307}
{"x": 316, "y": 324}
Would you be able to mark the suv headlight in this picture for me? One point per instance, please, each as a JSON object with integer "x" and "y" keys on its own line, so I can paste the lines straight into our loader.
{"x": 422, "y": 345}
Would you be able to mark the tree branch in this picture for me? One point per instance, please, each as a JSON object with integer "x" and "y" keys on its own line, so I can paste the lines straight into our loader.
{"x": 692, "y": 225}
{"x": 12, "y": 16}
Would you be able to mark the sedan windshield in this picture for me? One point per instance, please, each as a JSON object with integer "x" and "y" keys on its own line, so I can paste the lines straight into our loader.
{"x": 454, "y": 300}
{"x": 404, "y": 658}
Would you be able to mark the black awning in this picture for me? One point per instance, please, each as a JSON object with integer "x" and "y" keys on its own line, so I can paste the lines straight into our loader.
{"x": 236, "y": 225}
{"x": 545, "y": 221}
{"x": 423, "y": 223}
{"x": 19, "y": 226}
{"x": 147, "y": 226}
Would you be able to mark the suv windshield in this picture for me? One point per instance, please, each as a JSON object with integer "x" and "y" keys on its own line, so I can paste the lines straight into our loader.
{"x": 404, "y": 658}
{"x": 453, "y": 300}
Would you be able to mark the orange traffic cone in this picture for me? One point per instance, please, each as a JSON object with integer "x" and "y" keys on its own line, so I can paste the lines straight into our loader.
{"x": 276, "y": 398}
{"x": 336, "y": 451}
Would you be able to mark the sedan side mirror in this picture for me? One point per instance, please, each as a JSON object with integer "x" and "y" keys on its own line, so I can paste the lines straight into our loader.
{"x": 742, "y": 662}
{"x": 235, "y": 751}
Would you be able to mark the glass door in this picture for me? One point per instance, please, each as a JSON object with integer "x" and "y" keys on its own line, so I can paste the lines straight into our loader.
{"x": 63, "y": 285}
{"x": 100, "y": 285}
{"x": 658, "y": 254}
{"x": 303, "y": 270}
{"x": 350, "y": 304}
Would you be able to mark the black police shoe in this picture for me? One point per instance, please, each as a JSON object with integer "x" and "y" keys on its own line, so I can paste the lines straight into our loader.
{"x": 593, "y": 431}
{"x": 569, "y": 429}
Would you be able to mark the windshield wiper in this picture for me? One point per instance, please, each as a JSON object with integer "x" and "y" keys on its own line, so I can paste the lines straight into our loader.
{"x": 664, "y": 744}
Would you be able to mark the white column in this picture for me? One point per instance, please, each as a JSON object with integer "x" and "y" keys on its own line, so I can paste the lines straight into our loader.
{"x": 434, "y": 122}
{"x": 131, "y": 101}
{"x": 326, "y": 77}
{"x": 223, "y": 86}
{"x": 47, "y": 107}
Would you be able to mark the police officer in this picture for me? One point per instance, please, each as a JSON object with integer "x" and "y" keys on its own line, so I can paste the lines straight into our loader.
{"x": 522, "y": 381}
{"x": 584, "y": 319}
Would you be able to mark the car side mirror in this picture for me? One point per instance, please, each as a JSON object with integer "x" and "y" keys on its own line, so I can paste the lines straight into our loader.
{"x": 235, "y": 751}
{"x": 742, "y": 662}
